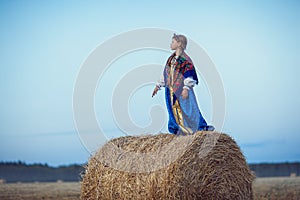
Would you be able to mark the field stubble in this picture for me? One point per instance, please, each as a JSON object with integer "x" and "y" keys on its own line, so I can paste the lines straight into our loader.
{"x": 279, "y": 188}
{"x": 38, "y": 191}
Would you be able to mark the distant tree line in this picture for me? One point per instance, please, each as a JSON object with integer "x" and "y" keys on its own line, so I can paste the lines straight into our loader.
{"x": 278, "y": 169}
{"x": 22, "y": 172}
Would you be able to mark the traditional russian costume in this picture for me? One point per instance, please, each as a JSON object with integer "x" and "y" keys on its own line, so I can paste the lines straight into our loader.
{"x": 184, "y": 114}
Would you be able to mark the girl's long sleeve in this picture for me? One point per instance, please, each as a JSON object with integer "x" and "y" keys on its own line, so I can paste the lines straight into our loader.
{"x": 189, "y": 82}
{"x": 161, "y": 82}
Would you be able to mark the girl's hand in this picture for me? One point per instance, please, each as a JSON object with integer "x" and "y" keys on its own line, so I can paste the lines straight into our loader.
{"x": 155, "y": 91}
{"x": 185, "y": 93}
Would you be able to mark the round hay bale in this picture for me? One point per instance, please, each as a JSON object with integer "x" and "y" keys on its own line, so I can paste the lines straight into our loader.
{"x": 206, "y": 165}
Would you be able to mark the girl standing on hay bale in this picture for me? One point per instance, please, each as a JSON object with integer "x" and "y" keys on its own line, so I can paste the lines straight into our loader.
{"x": 179, "y": 78}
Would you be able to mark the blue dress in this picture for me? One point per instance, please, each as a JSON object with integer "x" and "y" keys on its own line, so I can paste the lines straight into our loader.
{"x": 184, "y": 114}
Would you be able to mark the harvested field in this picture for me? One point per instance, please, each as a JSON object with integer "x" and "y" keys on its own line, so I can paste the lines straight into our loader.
{"x": 277, "y": 188}
{"x": 38, "y": 191}
{"x": 282, "y": 188}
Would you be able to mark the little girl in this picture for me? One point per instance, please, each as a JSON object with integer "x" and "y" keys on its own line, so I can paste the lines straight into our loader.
{"x": 179, "y": 78}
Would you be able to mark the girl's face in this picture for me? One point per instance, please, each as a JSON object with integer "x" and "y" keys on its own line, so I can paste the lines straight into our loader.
{"x": 174, "y": 45}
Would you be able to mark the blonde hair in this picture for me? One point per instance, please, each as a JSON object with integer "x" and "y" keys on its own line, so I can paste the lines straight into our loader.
{"x": 182, "y": 39}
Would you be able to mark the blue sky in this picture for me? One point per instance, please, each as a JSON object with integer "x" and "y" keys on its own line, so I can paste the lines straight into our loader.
{"x": 255, "y": 46}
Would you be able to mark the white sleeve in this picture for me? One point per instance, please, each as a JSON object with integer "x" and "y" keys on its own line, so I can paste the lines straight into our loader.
{"x": 189, "y": 82}
{"x": 161, "y": 82}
